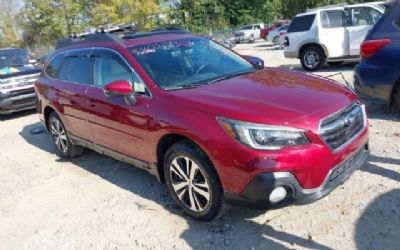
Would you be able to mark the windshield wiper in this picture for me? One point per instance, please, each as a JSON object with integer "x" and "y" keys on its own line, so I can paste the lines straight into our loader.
{"x": 203, "y": 83}
{"x": 187, "y": 86}
{"x": 231, "y": 75}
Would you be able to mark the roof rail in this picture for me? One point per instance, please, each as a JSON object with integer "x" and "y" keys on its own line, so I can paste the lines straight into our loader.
{"x": 98, "y": 37}
{"x": 329, "y": 6}
{"x": 154, "y": 32}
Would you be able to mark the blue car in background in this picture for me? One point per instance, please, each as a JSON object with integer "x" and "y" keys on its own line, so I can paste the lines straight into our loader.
{"x": 378, "y": 74}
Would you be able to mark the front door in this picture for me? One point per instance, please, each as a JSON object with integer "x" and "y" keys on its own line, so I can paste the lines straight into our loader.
{"x": 116, "y": 124}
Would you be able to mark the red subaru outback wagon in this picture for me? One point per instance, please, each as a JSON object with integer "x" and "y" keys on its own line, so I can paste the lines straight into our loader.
{"x": 203, "y": 119}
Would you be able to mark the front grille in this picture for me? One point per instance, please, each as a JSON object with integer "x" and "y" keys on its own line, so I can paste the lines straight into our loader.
{"x": 20, "y": 81}
{"x": 342, "y": 127}
{"x": 22, "y": 92}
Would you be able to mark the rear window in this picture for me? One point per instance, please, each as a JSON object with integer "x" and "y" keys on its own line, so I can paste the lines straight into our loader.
{"x": 301, "y": 23}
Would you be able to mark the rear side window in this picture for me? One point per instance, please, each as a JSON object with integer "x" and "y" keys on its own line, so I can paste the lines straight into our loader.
{"x": 53, "y": 68}
{"x": 78, "y": 69}
{"x": 301, "y": 23}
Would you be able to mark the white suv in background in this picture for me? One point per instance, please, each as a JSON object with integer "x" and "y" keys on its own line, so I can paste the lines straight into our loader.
{"x": 331, "y": 34}
{"x": 249, "y": 32}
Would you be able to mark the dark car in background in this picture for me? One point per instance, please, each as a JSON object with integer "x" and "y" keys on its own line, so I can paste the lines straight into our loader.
{"x": 378, "y": 74}
{"x": 17, "y": 75}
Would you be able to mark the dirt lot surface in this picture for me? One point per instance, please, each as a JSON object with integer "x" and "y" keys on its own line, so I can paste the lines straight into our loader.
{"x": 95, "y": 202}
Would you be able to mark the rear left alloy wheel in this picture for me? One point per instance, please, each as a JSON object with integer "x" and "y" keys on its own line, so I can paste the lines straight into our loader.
{"x": 192, "y": 181}
{"x": 64, "y": 147}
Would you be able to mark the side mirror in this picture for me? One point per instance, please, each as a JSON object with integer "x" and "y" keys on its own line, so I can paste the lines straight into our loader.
{"x": 257, "y": 62}
{"x": 120, "y": 88}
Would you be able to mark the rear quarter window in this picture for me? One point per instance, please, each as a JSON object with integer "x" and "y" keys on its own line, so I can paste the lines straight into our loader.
{"x": 301, "y": 23}
{"x": 53, "y": 68}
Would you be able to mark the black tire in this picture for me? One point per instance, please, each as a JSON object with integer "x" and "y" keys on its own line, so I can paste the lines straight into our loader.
{"x": 396, "y": 99}
{"x": 64, "y": 147}
{"x": 308, "y": 53}
{"x": 275, "y": 41}
{"x": 252, "y": 39}
{"x": 338, "y": 63}
{"x": 205, "y": 180}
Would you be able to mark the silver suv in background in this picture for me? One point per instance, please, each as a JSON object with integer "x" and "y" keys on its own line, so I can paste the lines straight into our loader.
{"x": 331, "y": 34}
{"x": 17, "y": 75}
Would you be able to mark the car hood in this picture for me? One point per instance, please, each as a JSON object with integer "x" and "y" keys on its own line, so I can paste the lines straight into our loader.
{"x": 18, "y": 71}
{"x": 270, "y": 96}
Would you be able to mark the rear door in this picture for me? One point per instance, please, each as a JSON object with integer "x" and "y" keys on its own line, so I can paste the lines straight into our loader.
{"x": 332, "y": 33}
{"x": 70, "y": 82}
{"x": 361, "y": 20}
{"x": 116, "y": 124}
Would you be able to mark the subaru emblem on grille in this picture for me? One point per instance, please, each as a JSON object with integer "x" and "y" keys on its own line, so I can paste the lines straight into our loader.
{"x": 349, "y": 119}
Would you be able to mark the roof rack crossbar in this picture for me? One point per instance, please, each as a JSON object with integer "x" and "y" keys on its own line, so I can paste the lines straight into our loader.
{"x": 154, "y": 33}
{"x": 97, "y": 37}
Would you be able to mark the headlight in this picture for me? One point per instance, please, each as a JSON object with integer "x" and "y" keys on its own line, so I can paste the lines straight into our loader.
{"x": 260, "y": 136}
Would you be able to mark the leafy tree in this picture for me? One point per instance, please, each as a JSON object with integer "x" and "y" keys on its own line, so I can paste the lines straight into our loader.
{"x": 9, "y": 25}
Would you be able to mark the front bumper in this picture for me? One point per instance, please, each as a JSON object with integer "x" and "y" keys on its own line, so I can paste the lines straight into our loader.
{"x": 256, "y": 194}
{"x": 10, "y": 103}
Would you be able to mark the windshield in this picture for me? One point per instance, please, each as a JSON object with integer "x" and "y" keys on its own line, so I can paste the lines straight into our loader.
{"x": 13, "y": 58}
{"x": 189, "y": 62}
{"x": 248, "y": 27}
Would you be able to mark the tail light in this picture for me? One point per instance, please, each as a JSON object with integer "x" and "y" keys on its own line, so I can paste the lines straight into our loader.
{"x": 282, "y": 33}
{"x": 371, "y": 47}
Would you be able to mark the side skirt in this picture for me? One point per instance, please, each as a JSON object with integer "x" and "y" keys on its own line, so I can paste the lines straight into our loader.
{"x": 147, "y": 166}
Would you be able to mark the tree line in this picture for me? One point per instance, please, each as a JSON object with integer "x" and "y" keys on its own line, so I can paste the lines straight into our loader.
{"x": 40, "y": 22}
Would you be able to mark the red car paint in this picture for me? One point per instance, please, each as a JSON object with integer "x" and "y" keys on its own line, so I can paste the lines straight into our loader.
{"x": 271, "y": 96}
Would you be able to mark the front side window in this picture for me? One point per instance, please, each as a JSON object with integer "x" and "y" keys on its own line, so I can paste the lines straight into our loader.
{"x": 189, "y": 62}
{"x": 301, "y": 23}
{"x": 110, "y": 67}
{"x": 364, "y": 16}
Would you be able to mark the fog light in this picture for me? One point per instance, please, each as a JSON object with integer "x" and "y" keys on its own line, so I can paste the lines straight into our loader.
{"x": 277, "y": 195}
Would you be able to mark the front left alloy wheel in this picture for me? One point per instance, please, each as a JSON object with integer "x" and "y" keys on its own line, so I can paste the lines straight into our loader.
{"x": 192, "y": 181}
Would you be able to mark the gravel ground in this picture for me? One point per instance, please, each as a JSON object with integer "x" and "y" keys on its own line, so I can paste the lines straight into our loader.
{"x": 95, "y": 202}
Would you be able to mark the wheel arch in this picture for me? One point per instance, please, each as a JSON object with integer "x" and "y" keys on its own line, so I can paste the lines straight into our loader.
{"x": 167, "y": 141}
{"x": 395, "y": 88}
{"x": 46, "y": 114}
{"x": 313, "y": 43}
